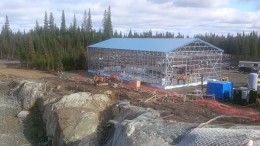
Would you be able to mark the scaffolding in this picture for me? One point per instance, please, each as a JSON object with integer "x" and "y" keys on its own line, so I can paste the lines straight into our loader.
{"x": 186, "y": 65}
{"x": 196, "y": 61}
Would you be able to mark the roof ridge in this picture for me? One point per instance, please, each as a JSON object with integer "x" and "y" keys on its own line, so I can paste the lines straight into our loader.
{"x": 147, "y": 44}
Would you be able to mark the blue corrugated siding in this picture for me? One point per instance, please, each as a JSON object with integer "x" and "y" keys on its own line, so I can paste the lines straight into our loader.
{"x": 144, "y": 44}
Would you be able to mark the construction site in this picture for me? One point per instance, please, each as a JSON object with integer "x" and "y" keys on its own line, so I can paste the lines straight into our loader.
{"x": 178, "y": 96}
{"x": 167, "y": 63}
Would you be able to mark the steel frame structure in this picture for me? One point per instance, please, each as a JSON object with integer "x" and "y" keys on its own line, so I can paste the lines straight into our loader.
{"x": 161, "y": 68}
{"x": 195, "y": 61}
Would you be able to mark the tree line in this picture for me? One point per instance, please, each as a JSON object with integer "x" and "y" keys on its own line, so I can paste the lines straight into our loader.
{"x": 243, "y": 46}
{"x": 49, "y": 47}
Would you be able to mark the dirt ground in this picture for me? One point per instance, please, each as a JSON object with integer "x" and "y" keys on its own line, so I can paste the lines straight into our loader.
{"x": 25, "y": 73}
{"x": 170, "y": 110}
{"x": 238, "y": 79}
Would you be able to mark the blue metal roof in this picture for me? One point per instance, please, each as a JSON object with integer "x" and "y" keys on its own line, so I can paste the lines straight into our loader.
{"x": 146, "y": 44}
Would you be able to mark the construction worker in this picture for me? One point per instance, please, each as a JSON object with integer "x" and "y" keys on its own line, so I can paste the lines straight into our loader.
{"x": 189, "y": 79}
{"x": 178, "y": 79}
{"x": 183, "y": 77}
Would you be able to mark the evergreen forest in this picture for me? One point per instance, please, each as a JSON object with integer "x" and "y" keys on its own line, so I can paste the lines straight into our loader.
{"x": 49, "y": 47}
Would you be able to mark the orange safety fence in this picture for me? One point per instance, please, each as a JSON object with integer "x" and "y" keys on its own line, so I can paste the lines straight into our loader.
{"x": 77, "y": 77}
{"x": 229, "y": 110}
{"x": 206, "y": 102}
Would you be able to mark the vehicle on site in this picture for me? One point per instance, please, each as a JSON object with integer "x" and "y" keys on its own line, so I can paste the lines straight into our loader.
{"x": 224, "y": 78}
{"x": 248, "y": 69}
{"x": 112, "y": 80}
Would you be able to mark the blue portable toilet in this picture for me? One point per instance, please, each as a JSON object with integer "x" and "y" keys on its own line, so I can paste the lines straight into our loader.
{"x": 222, "y": 89}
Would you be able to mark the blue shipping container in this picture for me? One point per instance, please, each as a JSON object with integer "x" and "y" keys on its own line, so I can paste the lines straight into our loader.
{"x": 219, "y": 88}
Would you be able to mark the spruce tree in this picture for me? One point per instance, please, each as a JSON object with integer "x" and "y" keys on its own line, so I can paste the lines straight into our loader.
{"x": 130, "y": 34}
{"x": 84, "y": 22}
{"x": 45, "y": 21}
{"x": 89, "y": 22}
{"x": 6, "y": 42}
{"x": 115, "y": 34}
{"x": 29, "y": 53}
{"x": 51, "y": 22}
{"x": 37, "y": 26}
{"x": 7, "y": 25}
{"x": 104, "y": 21}
{"x": 74, "y": 25}
{"x": 63, "y": 22}
{"x": 107, "y": 25}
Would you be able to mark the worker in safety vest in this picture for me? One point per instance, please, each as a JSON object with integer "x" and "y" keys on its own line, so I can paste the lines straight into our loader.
{"x": 178, "y": 79}
{"x": 183, "y": 77}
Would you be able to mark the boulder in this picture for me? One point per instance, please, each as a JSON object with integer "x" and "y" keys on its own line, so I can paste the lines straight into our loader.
{"x": 74, "y": 118}
{"x": 27, "y": 91}
{"x": 138, "y": 126}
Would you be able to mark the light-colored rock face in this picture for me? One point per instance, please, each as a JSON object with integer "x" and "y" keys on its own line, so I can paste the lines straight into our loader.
{"x": 143, "y": 127}
{"x": 86, "y": 126}
{"x": 83, "y": 99}
{"x": 74, "y": 100}
{"x": 68, "y": 119}
{"x": 27, "y": 91}
{"x": 137, "y": 126}
{"x": 77, "y": 116}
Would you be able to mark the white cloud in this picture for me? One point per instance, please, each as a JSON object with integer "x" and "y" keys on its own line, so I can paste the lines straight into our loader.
{"x": 200, "y": 3}
{"x": 185, "y": 16}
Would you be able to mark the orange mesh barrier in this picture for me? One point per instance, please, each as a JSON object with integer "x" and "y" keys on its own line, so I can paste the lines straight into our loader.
{"x": 228, "y": 110}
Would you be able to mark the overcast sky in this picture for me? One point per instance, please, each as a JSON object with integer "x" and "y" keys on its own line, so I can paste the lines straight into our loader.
{"x": 188, "y": 17}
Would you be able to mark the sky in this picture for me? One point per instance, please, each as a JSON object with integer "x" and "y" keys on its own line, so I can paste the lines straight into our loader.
{"x": 189, "y": 17}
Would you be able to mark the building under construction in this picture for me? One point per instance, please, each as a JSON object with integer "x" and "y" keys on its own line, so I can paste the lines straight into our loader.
{"x": 165, "y": 62}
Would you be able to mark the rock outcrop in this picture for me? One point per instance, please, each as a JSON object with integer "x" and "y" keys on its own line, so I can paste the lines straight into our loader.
{"x": 70, "y": 119}
{"x": 75, "y": 117}
{"x": 27, "y": 91}
{"x": 143, "y": 127}
{"x": 136, "y": 126}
